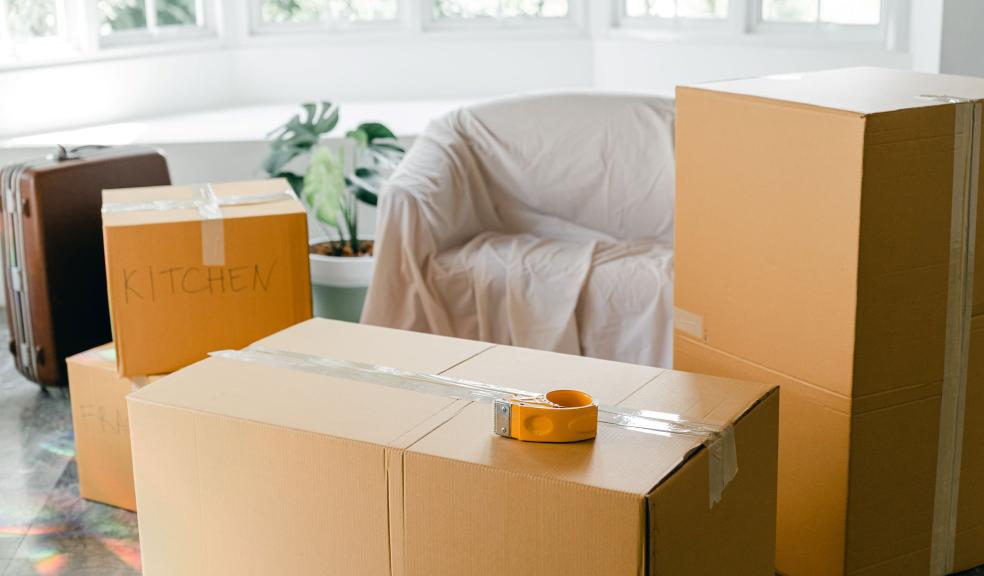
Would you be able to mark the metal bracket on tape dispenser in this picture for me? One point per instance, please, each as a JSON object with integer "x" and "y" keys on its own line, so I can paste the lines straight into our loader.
{"x": 557, "y": 416}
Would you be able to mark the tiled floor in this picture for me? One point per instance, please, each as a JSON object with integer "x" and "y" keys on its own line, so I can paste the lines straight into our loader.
{"x": 45, "y": 528}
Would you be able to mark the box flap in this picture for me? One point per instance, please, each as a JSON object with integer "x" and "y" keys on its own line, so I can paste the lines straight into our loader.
{"x": 287, "y": 205}
{"x": 374, "y": 345}
{"x": 709, "y": 399}
{"x": 101, "y": 357}
{"x": 862, "y": 90}
{"x": 315, "y": 403}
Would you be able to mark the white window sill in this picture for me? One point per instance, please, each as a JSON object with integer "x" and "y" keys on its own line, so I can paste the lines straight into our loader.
{"x": 239, "y": 124}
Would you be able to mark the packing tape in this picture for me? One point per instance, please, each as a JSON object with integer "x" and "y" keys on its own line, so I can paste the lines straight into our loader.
{"x": 209, "y": 207}
{"x": 689, "y": 323}
{"x": 213, "y": 228}
{"x": 719, "y": 440}
{"x": 963, "y": 225}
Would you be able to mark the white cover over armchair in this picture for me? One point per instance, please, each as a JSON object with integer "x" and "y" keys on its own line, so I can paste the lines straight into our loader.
{"x": 539, "y": 221}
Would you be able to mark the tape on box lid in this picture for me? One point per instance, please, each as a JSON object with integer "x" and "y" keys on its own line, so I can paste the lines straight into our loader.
{"x": 719, "y": 440}
{"x": 209, "y": 207}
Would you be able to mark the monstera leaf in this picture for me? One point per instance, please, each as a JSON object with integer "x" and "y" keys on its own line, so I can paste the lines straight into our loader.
{"x": 296, "y": 181}
{"x": 301, "y": 133}
{"x": 369, "y": 132}
{"x": 383, "y": 153}
{"x": 324, "y": 186}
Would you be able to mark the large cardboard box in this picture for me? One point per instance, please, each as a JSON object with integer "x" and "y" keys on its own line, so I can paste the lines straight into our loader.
{"x": 246, "y": 468}
{"x": 191, "y": 269}
{"x": 824, "y": 232}
{"x": 102, "y": 431}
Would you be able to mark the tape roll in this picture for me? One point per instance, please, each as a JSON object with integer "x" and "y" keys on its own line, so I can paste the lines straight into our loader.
{"x": 557, "y": 416}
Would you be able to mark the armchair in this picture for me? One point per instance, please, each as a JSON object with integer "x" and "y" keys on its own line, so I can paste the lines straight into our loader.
{"x": 542, "y": 221}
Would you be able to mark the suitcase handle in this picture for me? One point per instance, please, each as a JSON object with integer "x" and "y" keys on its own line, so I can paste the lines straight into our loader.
{"x": 62, "y": 154}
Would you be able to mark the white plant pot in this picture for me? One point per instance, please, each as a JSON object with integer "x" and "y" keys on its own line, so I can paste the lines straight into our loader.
{"x": 341, "y": 271}
{"x": 339, "y": 284}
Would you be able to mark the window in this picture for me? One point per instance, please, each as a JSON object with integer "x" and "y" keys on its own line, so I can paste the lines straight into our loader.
{"x": 868, "y": 21}
{"x": 856, "y": 12}
{"x": 498, "y": 9}
{"x": 539, "y": 14}
{"x": 871, "y": 21}
{"x": 29, "y": 27}
{"x": 676, "y": 8}
{"x": 133, "y": 21}
{"x": 324, "y": 13}
{"x": 312, "y": 15}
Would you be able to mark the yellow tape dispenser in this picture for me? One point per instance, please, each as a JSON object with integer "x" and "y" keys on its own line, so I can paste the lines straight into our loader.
{"x": 557, "y": 416}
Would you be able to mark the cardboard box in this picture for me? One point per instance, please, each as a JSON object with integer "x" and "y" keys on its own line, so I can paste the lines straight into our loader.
{"x": 247, "y": 468}
{"x": 186, "y": 280}
{"x": 102, "y": 431}
{"x": 813, "y": 251}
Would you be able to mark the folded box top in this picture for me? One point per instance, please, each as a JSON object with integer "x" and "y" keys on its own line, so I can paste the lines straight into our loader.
{"x": 164, "y": 204}
{"x": 442, "y": 426}
{"x": 861, "y": 90}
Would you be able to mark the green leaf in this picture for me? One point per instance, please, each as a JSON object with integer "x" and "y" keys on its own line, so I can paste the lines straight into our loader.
{"x": 299, "y": 134}
{"x": 275, "y": 162}
{"x": 388, "y": 146}
{"x": 324, "y": 186}
{"x": 296, "y": 181}
{"x": 360, "y": 136}
{"x": 369, "y": 133}
{"x": 376, "y": 131}
{"x": 366, "y": 196}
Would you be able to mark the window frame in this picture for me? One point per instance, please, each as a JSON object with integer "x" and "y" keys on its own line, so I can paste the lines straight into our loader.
{"x": 819, "y": 30}
{"x": 234, "y": 23}
{"x": 573, "y": 21}
{"x": 61, "y": 44}
{"x": 257, "y": 27}
{"x": 744, "y": 23}
{"x": 682, "y": 24}
{"x": 206, "y": 12}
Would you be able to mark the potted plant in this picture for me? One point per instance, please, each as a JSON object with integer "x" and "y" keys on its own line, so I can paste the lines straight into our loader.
{"x": 331, "y": 186}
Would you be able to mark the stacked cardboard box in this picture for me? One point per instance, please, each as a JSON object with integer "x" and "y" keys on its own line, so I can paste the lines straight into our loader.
{"x": 825, "y": 243}
{"x": 102, "y": 431}
{"x": 190, "y": 269}
{"x": 264, "y": 468}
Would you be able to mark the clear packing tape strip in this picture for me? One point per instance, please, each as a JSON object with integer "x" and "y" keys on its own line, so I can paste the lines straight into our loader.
{"x": 719, "y": 440}
{"x": 963, "y": 231}
{"x": 209, "y": 207}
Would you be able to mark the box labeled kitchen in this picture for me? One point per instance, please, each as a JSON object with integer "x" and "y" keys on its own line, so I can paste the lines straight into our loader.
{"x": 191, "y": 269}
{"x": 347, "y": 475}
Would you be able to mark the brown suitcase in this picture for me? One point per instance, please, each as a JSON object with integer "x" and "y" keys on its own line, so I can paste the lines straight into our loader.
{"x": 53, "y": 251}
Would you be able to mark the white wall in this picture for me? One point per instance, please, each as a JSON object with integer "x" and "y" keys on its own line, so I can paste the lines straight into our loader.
{"x": 925, "y": 36}
{"x": 58, "y": 97}
{"x": 236, "y": 70}
{"x": 55, "y": 97}
{"x": 632, "y": 64}
{"x": 80, "y": 94}
{"x": 394, "y": 70}
{"x": 962, "y": 47}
